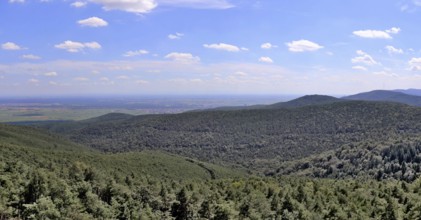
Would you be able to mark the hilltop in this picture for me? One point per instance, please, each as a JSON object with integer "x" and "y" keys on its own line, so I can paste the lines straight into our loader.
{"x": 305, "y": 101}
{"x": 386, "y": 95}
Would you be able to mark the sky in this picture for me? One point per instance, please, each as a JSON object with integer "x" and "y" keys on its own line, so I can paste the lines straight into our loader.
{"x": 146, "y": 47}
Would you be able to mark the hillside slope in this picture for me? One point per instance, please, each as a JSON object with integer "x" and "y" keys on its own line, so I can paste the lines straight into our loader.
{"x": 386, "y": 95}
{"x": 305, "y": 101}
{"x": 258, "y": 138}
{"x": 43, "y": 176}
{"x": 416, "y": 92}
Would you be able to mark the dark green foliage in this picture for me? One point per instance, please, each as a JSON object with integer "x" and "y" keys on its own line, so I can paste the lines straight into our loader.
{"x": 43, "y": 176}
{"x": 396, "y": 160}
{"x": 259, "y": 139}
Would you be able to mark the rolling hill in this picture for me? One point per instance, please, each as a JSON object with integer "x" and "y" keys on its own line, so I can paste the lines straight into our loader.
{"x": 387, "y": 96}
{"x": 45, "y": 176}
{"x": 416, "y": 92}
{"x": 305, "y": 101}
{"x": 258, "y": 139}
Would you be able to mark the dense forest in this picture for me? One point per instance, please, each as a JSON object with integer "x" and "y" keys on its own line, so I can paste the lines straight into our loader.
{"x": 314, "y": 158}
{"x": 43, "y": 176}
{"x": 258, "y": 139}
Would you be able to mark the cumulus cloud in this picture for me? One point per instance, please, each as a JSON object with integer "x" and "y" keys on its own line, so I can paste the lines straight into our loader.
{"x": 363, "y": 58}
{"x": 175, "y": 36}
{"x": 267, "y": 46}
{"x": 123, "y": 77}
{"x": 240, "y": 73}
{"x": 81, "y": 79}
{"x": 93, "y": 22}
{"x": 265, "y": 60}
{"x": 17, "y": 1}
{"x": 377, "y": 34}
{"x": 393, "y": 30}
{"x": 30, "y": 57}
{"x": 385, "y": 73}
{"x": 74, "y": 47}
{"x": 361, "y": 68}
{"x": 11, "y": 46}
{"x": 303, "y": 45}
{"x": 51, "y": 74}
{"x": 141, "y": 82}
{"x": 133, "y": 6}
{"x": 392, "y": 50}
{"x": 135, "y": 53}
{"x": 78, "y": 4}
{"x": 222, "y": 46}
{"x": 199, "y": 4}
{"x": 33, "y": 80}
{"x": 415, "y": 64}
{"x": 183, "y": 57}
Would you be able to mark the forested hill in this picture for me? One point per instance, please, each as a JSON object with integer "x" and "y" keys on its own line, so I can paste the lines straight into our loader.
{"x": 43, "y": 176}
{"x": 389, "y": 96}
{"x": 258, "y": 139}
{"x": 295, "y": 103}
{"x": 305, "y": 101}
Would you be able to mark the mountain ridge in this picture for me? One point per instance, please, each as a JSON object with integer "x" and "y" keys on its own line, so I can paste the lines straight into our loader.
{"x": 386, "y": 95}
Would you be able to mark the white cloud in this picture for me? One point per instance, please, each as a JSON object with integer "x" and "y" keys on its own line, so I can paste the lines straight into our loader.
{"x": 267, "y": 46}
{"x": 199, "y": 4}
{"x": 17, "y": 1}
{"x": 244, "y": 49}
{"x": 53, "y": 83}
{"x": 265, "y": 60}
{"x": 303, "y": 45}
{"x": 104, "y": 79}
{"x": 78, "y": 4}
{"x": 74, "y": 47}
{"x": 183, "y": 57}
{"x": 122, "y": 77}
{"x": 392, "y": 50}
{"x": 93, "y": 22}
{"x": 240, "y": 73}
{"x": 372, "y": 34}
{"x": 377, "y": 34}
{"x": 361, "y": 68}
{"x": 135, "y": 53}
{"x": 30, "y": 57}
{"x": 33, "y": 80}
{"x": 51, "y": 74}
{"x": 81, "y": 79}
{"x": 393, "y": 30}
{"x": 363, "y": 58}
{"x": 133, "y": 6}
{"x": 222, "y": 46}
{"x": 175, "y": 36}
{"x": 417, "y": 2}
{"x": 11, "y": 46}
{"x": 415, "y": 64}
{"x": 141, "y": 82}
{"x": 385, "y": 73}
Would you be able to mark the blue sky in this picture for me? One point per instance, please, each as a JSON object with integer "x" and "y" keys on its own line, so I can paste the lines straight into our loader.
{"x": 83, "y": 47}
